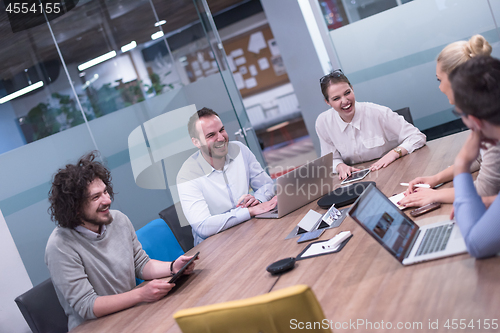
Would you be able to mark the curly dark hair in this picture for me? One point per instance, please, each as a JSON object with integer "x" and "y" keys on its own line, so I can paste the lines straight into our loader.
{"x": 69, "y": 189}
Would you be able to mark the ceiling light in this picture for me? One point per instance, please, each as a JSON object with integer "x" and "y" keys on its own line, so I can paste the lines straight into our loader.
{"x": 162, "y": 22}
{"x": 21, "y": 92}
{"x": 129, "y": 46}
{"x": 157, "y": 35}
{"x": 97, "y": 60}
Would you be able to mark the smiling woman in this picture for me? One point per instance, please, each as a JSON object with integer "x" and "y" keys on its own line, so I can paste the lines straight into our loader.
{"x": 357, "y": 132}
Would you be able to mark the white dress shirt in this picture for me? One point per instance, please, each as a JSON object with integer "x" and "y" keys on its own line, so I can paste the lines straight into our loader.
{"x": 209, "y": 197}
{"x": 373, "y": 131}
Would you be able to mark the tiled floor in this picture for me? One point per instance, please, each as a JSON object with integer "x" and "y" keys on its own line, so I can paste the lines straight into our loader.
{"x": 285, "y": 157}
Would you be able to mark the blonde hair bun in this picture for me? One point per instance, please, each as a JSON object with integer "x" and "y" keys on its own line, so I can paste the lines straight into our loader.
{"x": 457, "y": 53}
{"x": 479, "y": 46}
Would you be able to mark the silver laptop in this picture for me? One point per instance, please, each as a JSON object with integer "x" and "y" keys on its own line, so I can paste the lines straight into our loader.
{"x": 301, "y": 186}
{"x": 399, "y": 235}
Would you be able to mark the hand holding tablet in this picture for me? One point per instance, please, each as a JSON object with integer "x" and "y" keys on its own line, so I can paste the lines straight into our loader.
{"x": 358, "y": 175}
{"x": 181, "y": 271}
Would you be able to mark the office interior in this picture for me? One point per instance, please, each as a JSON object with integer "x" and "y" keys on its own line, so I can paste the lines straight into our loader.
{"x": 256, "y": 63}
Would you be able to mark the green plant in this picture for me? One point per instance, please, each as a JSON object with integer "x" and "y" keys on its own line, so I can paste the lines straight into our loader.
{"x": 46, "y": 119}
{"x": 156, "y": 85}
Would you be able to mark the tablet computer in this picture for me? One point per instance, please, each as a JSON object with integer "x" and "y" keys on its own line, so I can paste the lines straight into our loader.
{"x": 179, "y": 273}
{"x": 358, "y": 175}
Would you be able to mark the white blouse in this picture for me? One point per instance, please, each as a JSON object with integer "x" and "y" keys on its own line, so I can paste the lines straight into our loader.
{"x": 373, "y": 131}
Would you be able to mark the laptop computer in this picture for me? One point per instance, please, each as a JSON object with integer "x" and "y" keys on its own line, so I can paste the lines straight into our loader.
{"x": 399, "y": 235}
{"x": 301, "y": 186}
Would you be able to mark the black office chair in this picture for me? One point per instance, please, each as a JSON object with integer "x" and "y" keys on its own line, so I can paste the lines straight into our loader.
{"x": 184, "y": 234}
{"x": 405, "y": 112}
{"x": 41, "y": 309}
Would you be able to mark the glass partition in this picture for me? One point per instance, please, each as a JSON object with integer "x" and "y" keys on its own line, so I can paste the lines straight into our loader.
{"x": 109, "y": 76}
{"x": 42, "y": 129}
{"x": 390, "y": 57}
{"x": 338, "y": 13}
{"x": 245, "y": 132}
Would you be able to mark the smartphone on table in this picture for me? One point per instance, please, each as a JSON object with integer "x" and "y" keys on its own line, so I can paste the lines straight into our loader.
{"x": 425, "y": 209}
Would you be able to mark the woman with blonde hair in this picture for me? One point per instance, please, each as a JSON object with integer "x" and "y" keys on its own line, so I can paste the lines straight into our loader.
{"x": 488, "y": 179}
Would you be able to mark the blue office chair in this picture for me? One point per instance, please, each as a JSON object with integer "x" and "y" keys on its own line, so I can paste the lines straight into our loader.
{"x": 159, "y": 242}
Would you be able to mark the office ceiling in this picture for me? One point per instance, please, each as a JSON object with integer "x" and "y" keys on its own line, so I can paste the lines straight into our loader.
{"x": 93, "y": 28}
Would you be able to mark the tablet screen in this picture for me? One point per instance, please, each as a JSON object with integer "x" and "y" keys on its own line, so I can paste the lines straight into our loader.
{"x": 358, "y": 175}
{"x": 179, "y": 273}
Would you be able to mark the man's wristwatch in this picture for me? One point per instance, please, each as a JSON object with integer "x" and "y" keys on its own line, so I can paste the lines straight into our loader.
{"x": 399, "y": 151}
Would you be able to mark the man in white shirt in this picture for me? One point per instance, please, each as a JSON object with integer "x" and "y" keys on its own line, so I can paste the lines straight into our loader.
{"x": 214, "y": 182}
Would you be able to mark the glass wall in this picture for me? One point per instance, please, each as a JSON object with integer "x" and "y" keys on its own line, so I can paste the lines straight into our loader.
{"x": 390, "y": 57}
{"x": 338, "y": 13}
{"x": 105, "y": 75}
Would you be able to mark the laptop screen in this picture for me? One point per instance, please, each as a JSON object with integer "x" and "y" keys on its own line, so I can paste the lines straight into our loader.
{"x": 384, "y": 221}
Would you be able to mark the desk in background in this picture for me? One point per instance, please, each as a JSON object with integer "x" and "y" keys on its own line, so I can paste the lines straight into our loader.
{"x": 362, "y": 282}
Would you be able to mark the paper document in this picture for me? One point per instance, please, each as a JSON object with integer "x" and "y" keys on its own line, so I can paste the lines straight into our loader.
{"x": 273, "y": 46}
{"x": 237, "y": 53}
{"x": 263, "y": 64}
{"x": 328, "y": 246}
{"x": 395, "y": 199}
{"x": 253, "y": 70}
{"x": 256, "y": 42}
{"x": 250, "y": 83}
{"x": 238, "y": 79}
{"x": 240, "y": 61}
{"x": 317, "y": 248}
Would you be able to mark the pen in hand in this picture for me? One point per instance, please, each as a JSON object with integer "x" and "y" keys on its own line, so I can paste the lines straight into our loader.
{"x": 416, "y": 185}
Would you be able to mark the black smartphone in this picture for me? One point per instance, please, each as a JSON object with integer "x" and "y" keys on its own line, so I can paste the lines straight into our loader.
{"x": 425, "y": 209}
{"x": 179, "y": 273}
{"x": 311, "y": 235}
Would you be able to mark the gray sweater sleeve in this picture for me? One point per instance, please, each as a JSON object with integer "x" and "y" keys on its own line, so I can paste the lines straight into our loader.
{"x": 84, "y": 268}
{"x": 488, "y": 178}
{"x": 68, "y": 274}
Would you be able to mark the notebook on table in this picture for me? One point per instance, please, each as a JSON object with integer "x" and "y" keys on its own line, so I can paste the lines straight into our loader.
{"x": 399, "y": 235}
